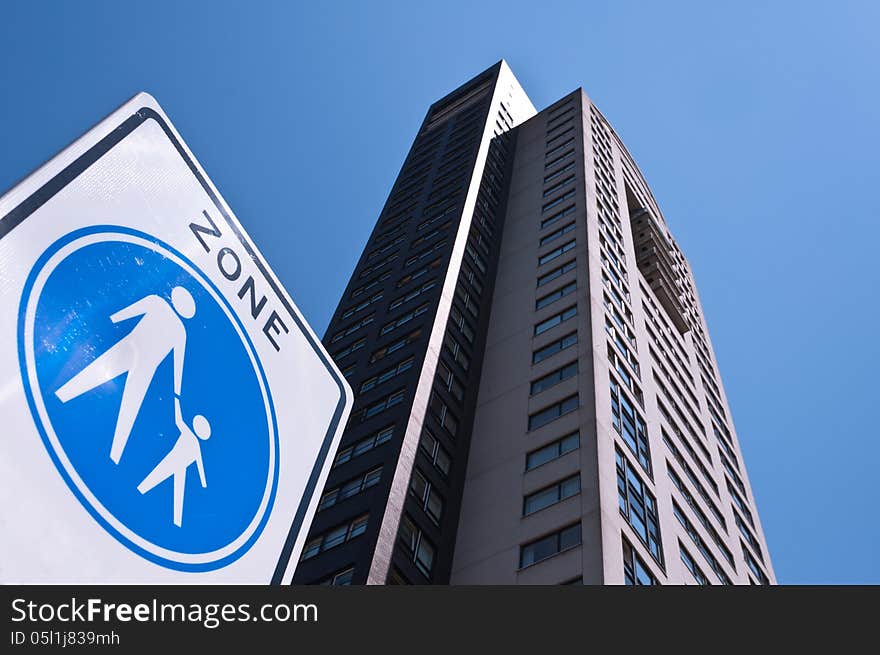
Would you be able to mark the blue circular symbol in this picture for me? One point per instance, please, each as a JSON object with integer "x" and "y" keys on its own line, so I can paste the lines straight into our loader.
{"x": 149, "y": 397}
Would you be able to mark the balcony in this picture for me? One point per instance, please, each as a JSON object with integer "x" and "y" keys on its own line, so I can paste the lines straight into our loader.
{"x": 655, "y": 261}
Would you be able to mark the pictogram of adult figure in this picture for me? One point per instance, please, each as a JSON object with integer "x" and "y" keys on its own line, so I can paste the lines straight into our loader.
{"x": 185, "y": 452}
{"x": 158, "y": 333}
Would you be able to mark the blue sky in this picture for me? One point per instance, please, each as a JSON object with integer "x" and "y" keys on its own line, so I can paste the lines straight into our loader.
{"x": 755, "y": 124}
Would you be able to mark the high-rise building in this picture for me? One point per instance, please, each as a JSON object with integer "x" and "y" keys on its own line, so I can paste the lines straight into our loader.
{"x": 537, "y": 398}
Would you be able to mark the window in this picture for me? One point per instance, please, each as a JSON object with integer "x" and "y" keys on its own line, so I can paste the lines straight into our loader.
{"x": 335, "y": 537}
{"x": 448, "y": 381}
{"x": 630, "y": 425}
{"x": 692, "y": 566}
{"x": 428, "y": 252}
{"x": 555, "y": 320}
{"x": 565, "y": 155}
{"x": 458, "y": 320}
{"x": 552, "y": 297}
{"x": 415, "y": 293}
{"x": 747, "y": 534}
{"x": 471, "y": 278}
{"x": 435, "y": 452}
{"x": 629, "y": 381}
{"x": 479, "y": 262}
{"x": 753, "y": 565}
{"x": 740, "y": 503}
{"x": 380, "y": 264}
{"x": 559, "y": 125}
{"x": 389, "y": 246}
{"x": 557, "y": 233}
{"x": 553, "y": 544}
{"x": 467, "y": 300}
{"x": 701, "y": 516}
{"x": 557, "y": 112}
{"x": 351, "y": 488}
{"x": 553, "y": 412}
{"x": 554, "y": 378}
{"x": 691, "y": 476}
{"x": 733, "y": 474}
{"x": 547, "y": 222}
{"x": 622, "y": 346}
{"x": 553, "y": 140}
{"x": 442, "y": 413}
{"x": 357, "y": 345}
{"x": 429, "y": 500}
{"x": 386, "y": 403}
{"x": 557, "y": 272}
{"x": 551, "y": 495}
{"x": 562, "y": 146}
{"x": 635, "y": 571}
{"x": 417, "y": 546}
{"x": 455, "y": 351}
{"x": 638, "y": 506}
{"x": 430, "y": 235}
{"x": 554, "y": 347}
{"x": 557, "y": 173}
{"x": 559, "y": 185}
{"x": 340, "y": 579}
{"x": 363, "y": 305}
{"x": 388, "y": 374}
{"x": 700, "y": 543}
{"x": 557, "y": 252}
{"x": 433, "y": 219}
{"x": 364, "y": 445}
{"x": 403, "y": 320}
{"x": 415, "y": 275}
{"x": 370, "y": 285}
{"x": 393, "y": 347}
{"x": 351, "y": 329}
{"x": 558, "y": 201}
{"x": 553, "y": 450}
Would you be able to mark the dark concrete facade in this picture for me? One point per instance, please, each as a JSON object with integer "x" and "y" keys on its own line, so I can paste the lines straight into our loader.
{"x": 408, "y": 335}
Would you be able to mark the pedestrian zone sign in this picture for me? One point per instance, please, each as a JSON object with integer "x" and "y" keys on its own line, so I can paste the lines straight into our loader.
{"x": 166, "y": 413}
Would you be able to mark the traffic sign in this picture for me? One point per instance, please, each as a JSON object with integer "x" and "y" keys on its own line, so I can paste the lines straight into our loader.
{"x": 168, "y": 416}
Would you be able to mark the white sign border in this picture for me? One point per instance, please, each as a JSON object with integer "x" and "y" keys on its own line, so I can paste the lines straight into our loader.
{"x": 39, "y": 187}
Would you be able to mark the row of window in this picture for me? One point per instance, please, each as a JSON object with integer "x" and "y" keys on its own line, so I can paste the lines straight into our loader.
{"x": 693, "y": 478}
{"x": 557, "y": 319}
{"x": 350, "y": 488}
{"x": 554, "y": 347}
{"x": 630, "y": 425}
{"x": 614, "y": 277}
{"x": 335, "y": 537}
{"x": 556, "y": 410}
{"x": 554, "y": 377}
{"x": 557, "y": 165}
{"x": 553, "y": 450}
{"x": 426, "y": 257}
{"x": 638, "y": 506}
{"x": 553, "y": 296}
{"x": 555, "y": 493}
{"x": 386, "y": 375}
{"x": 701, "y": 544}
{"x": 445, "y": 403}
{"x": 559, "y": 271}
{"x": 635, "y": 571}
{"x": 552, "y": 544}
{"x": 364, "y": 445}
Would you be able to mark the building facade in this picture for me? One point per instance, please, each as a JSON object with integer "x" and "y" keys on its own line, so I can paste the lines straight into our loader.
{"x": 537, "y": 399}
